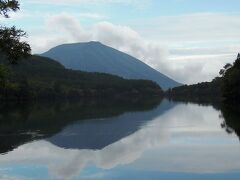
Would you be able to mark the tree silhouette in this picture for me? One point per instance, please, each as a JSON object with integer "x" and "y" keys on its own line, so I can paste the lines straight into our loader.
{"x": 231, "y": 81}
{"x": 8, "y": 5}
{"x": 10, "y": 38}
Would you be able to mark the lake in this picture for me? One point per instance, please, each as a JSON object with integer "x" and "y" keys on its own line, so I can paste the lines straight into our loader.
{"x": 137, "y": 139}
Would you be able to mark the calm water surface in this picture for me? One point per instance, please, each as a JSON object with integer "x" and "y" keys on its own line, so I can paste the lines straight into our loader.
{"x": 134, "y": 140}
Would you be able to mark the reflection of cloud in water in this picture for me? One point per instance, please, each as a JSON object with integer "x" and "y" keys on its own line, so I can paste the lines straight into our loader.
{"x": 192, "y": 159}
{"x": 161, "y": 139}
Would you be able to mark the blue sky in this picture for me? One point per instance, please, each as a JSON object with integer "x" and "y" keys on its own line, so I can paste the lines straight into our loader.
{"x": 120, "y": 11}
{"x": 188, "y": 40}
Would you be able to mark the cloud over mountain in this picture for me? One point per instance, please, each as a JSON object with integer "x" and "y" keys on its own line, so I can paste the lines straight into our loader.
{"x": 181, "y": 55}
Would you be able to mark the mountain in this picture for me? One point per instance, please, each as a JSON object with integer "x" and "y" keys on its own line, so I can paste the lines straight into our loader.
{"x": 97, "y": 57}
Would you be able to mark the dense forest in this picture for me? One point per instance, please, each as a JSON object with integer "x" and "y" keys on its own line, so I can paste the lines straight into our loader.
{"x": 205, "y": 90}
{"x": 43, "y": 78}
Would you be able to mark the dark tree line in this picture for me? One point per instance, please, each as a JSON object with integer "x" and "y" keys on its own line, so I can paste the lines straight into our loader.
{"x": 39, "y": 78}
{"x": 204, "y": 91}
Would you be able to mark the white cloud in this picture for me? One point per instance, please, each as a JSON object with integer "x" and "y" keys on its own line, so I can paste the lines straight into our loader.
{"x": 64, "y": 28}
{"x": 199, "y": 45}
{"x": 197, "y": 28}
{"x": 198, "y": 68}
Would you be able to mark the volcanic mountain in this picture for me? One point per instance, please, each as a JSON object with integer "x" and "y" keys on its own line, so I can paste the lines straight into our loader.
{"x": 97, "y": 57}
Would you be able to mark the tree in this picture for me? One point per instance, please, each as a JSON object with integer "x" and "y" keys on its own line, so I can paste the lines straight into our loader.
{"x": 10, "y": 38}
{"x": 8, "y": 5}
{"x": 225, "y": 68}
{"x": 231, "y": 81}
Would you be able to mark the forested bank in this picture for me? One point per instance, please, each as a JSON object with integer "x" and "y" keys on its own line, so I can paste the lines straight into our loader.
{"x": 37, "y": 78}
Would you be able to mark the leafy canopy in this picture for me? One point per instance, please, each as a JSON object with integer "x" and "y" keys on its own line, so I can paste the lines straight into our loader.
{"x": 10, "y": 38}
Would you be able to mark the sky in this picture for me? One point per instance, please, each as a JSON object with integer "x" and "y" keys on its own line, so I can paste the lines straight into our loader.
{"x": 188, "y": 40}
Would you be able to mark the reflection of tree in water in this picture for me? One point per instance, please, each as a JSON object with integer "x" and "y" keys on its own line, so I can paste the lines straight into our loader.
{"x": 231, "y": 116}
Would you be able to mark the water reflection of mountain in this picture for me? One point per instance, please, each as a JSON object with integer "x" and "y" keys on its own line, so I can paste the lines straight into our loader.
{"x": 21, "y": 124}
{"x": 99, "y": 133}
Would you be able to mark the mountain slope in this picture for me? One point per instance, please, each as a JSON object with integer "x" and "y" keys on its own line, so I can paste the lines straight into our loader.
{"x": 96, "y": 57}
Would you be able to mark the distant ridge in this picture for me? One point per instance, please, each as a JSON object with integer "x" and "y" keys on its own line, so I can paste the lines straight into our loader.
{"x": 97, "y": 57}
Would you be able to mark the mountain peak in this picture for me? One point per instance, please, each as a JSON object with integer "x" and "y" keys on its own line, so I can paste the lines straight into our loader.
{"x": 94, "y": 56}
{"x": 87, "y": 43}
{"x": 72, "y": 45}
{"x": 94, "y": 42}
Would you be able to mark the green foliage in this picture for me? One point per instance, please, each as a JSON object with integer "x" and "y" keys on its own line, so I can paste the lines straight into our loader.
{"x": 43, "y": 78}
{"x": 11, "y": 44}
{"x": 231, "y": 82}
{"x": 10, "y": 38}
